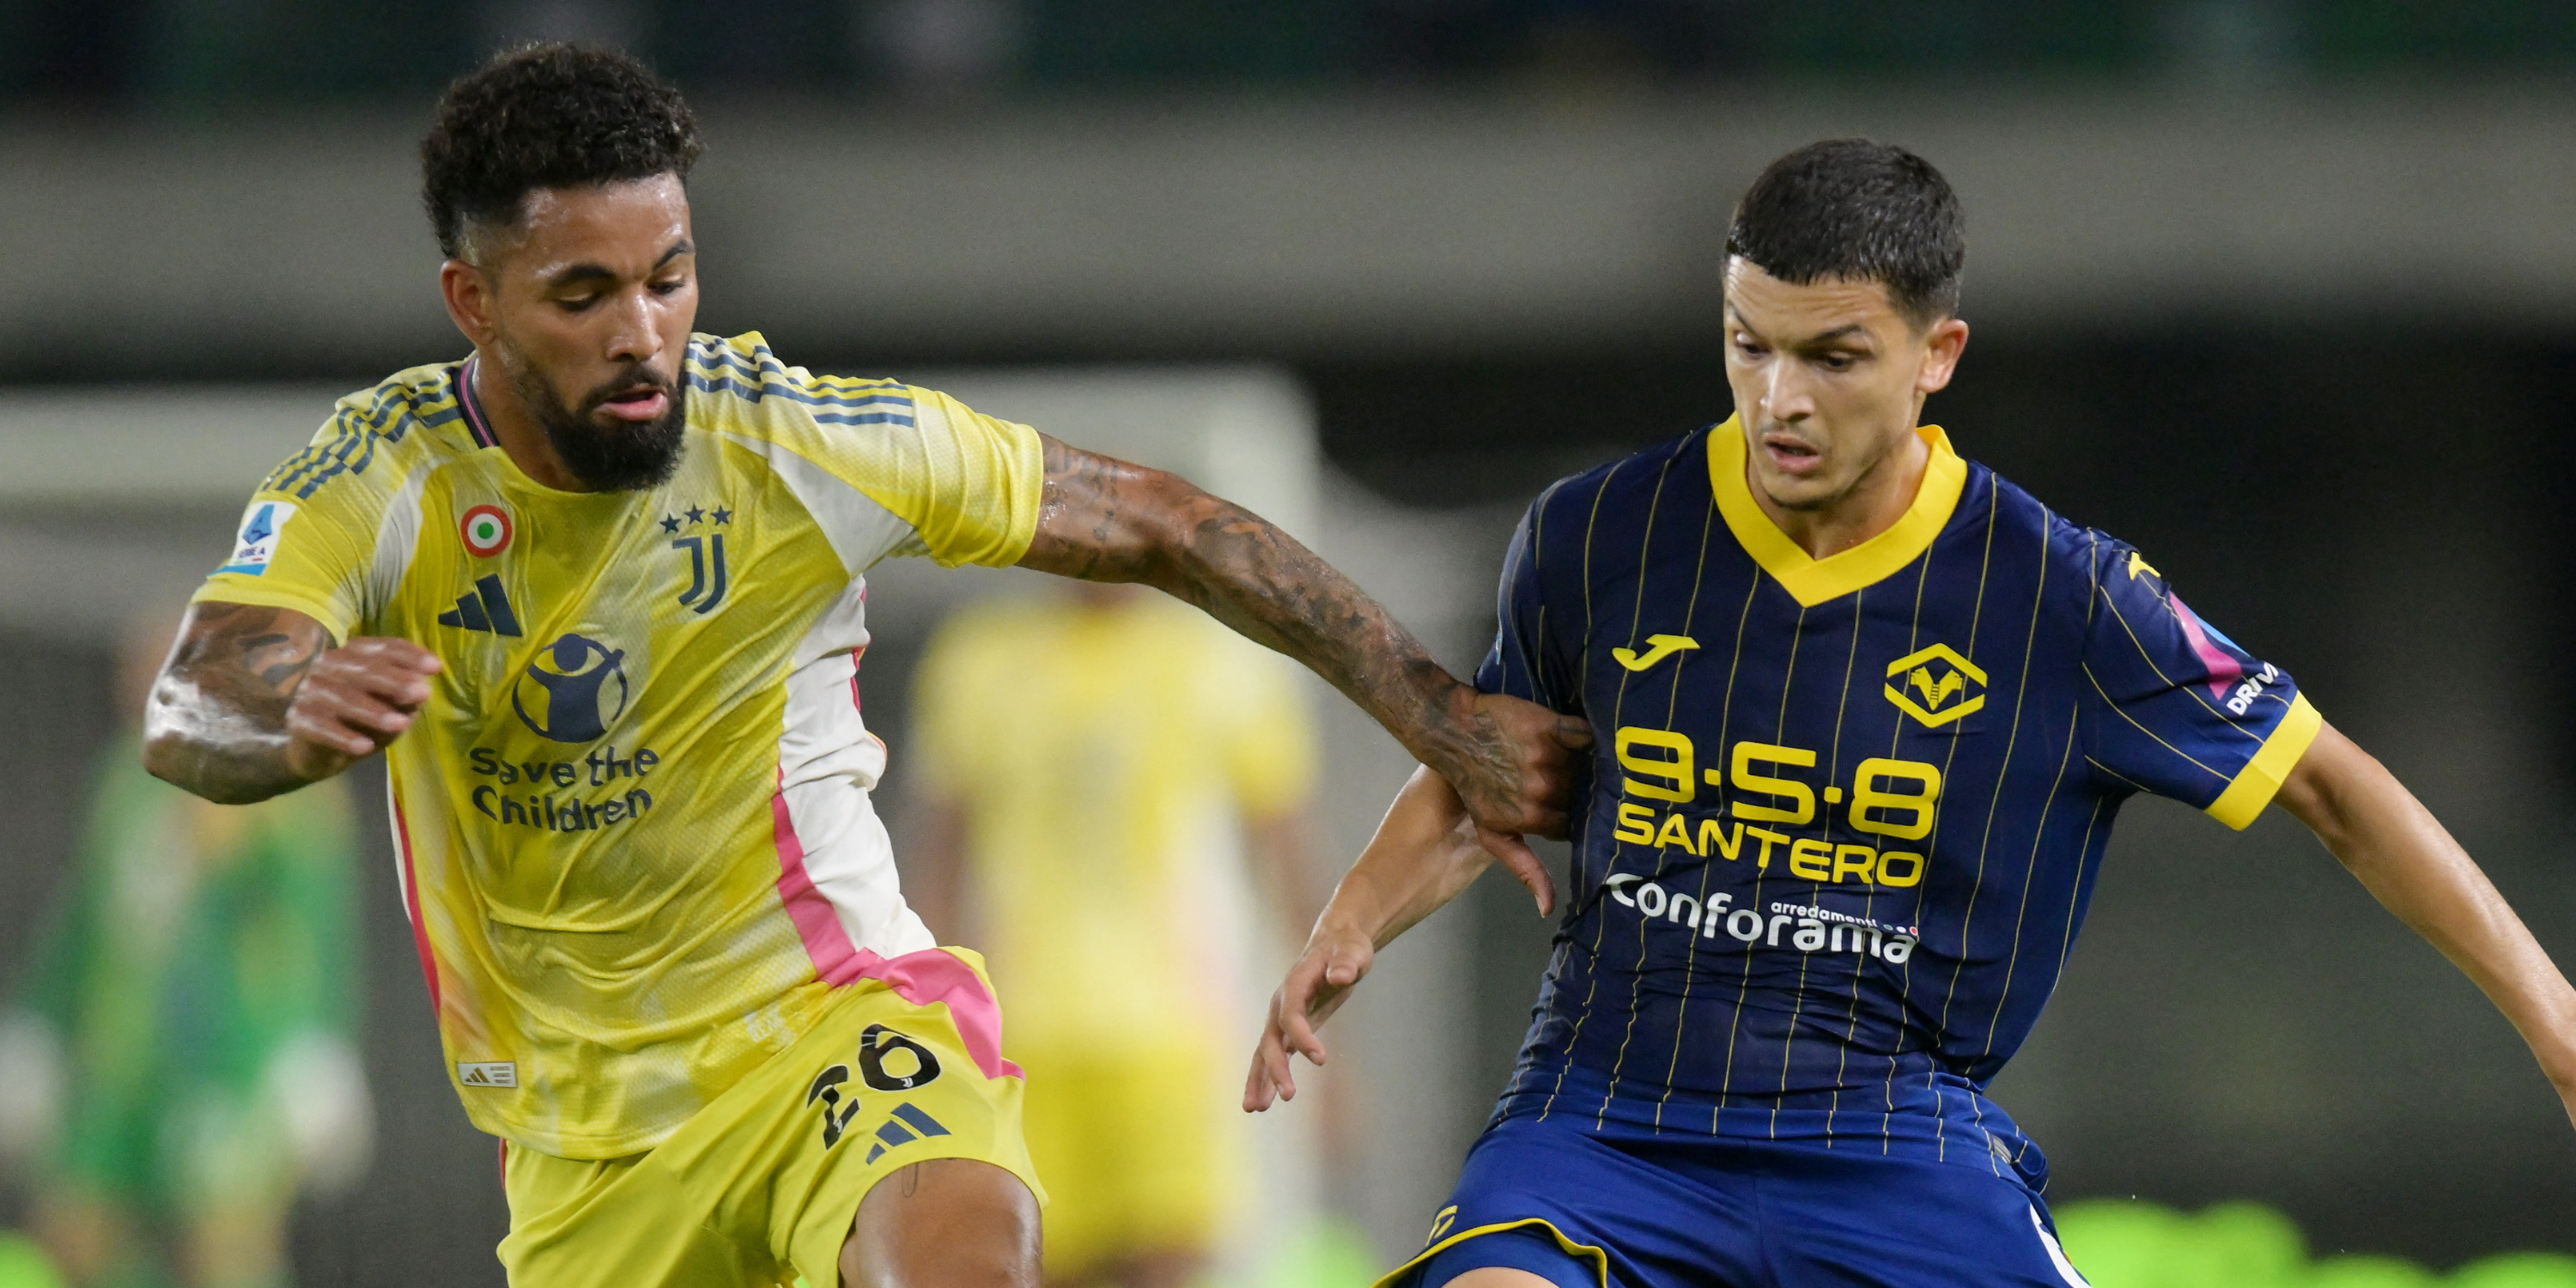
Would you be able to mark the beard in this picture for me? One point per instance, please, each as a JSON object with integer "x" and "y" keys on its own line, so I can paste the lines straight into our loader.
{"x": 620, "y": 457}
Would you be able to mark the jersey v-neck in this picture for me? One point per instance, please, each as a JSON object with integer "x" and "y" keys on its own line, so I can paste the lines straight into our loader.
{"x": 1812, "y": 581}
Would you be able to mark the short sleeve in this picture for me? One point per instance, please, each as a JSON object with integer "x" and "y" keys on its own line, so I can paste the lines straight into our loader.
{"x": 1524, "y": 662}
{"x": 307, "y": 541}
{"x": 978, "y": 481}
{"x": 938, "y": 478}
{"x": 2175, "y": 707}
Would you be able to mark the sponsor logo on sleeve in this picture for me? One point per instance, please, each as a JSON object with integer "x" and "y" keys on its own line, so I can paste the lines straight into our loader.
{"x": 487, "y": 1073}
{"x": 256, "y": 544}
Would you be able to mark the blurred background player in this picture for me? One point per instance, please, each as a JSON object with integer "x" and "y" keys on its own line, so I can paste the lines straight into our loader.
{"x": 1098, "y": 765}
{"x": 182, "y": 1059}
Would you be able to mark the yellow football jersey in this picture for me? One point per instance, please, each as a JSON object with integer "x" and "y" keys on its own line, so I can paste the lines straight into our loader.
{"x": 634, "y": 822}
{"x": 1106, "y": 758}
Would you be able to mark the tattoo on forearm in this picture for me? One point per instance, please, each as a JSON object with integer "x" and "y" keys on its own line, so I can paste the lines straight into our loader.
{"x": 216, "y": 723}
{"x": 277, "y": 660}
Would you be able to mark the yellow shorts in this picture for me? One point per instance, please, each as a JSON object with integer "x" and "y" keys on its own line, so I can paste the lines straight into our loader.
{"x": 762, "y": 1185}
{"x": 1144, "y": 1148}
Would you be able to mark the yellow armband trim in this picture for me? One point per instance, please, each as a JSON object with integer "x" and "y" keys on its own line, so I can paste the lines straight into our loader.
{"x": 2261, "y": 779}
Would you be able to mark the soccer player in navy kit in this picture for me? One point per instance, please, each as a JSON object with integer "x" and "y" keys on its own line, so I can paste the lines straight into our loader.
{"x": 1864, "y": 715}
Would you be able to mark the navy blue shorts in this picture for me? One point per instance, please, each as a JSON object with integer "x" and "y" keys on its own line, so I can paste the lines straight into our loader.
{"x": 1628, "y": 1208}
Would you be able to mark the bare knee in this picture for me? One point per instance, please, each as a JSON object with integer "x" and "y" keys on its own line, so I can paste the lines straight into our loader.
{"x": 945, "y": 1223}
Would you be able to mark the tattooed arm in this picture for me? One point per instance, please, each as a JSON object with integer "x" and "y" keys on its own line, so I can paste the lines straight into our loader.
{"x": 256, "y": 701}
{"x": 1107, "y": 520}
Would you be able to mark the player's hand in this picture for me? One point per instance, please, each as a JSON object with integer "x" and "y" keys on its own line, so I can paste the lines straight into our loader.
{"x": 355, "y": 700}
{"x": 1335, "y": 959}
{"x": 1519, "y": 775}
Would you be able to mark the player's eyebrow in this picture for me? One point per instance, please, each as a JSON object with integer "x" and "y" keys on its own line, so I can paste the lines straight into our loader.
{"x": 598, "y": 272}
{"x": 1845, "y": 331}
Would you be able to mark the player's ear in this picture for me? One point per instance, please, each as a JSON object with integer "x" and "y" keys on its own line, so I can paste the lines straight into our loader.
{"x": 1942, "y": 346}
{"x": 468, "y": 294}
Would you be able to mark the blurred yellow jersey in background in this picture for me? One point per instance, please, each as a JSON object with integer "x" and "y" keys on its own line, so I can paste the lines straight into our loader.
{"x": 634, "y": 821}
{"x": 1106, "y": 757}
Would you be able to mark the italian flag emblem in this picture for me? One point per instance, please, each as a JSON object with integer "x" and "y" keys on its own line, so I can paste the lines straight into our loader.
{"x": 486, "y": 529}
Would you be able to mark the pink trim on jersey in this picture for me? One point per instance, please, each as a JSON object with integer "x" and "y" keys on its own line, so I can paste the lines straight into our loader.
{"x": 856, "y": 655}
{"x": 411, "y": 904}
{"x": 930, "y": 976}
{"x": 827, "y": 942}
{"x": 937, "y": 975}
{"x": 2224, "y": 670}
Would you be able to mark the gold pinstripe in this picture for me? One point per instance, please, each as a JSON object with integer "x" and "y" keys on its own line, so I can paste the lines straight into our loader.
{"x": 1985, "y": 843}
{"x": 1618, "y": 702}
{"x": 1681, "y": 1013}
{"x": 1725, "y": 715}
{"x": 1833, "y": 757}
{"x": 1645, "y": 545}
{"x": 1779, "y": 729}
{"x": 1949, "y": 763}
{"x": 2092, "y": 824}
{"x": 1869, "y": 896}
{"x": 2031, "y": 877}
{"x": 1537, "y": 542}
{"x": 2133, "y": 784}
{"x": 2108, "y": 701}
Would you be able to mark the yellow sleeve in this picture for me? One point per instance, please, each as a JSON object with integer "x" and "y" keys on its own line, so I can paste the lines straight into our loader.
{"x": 980, "y": 481}
{"x": 308, "y": 538}
{"x": 966, "y": 485}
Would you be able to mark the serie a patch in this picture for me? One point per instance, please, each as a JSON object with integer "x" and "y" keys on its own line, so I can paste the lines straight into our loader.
{"x": 256, "y": 544}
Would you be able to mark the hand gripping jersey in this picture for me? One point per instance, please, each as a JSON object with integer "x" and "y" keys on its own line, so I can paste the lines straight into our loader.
{"x": 634, "y": 824}
{"x": 1844, "y": 814}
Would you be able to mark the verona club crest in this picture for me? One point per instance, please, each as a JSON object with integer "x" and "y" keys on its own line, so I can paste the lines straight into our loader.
{"x": 1936, "y": 686}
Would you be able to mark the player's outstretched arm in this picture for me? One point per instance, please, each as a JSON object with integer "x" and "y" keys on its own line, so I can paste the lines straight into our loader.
{"x": 1425, "y": 852}
{"x": 2409, "y": 862}
{"x": 256, "y": 701}
{"x": 1107, "y": 520}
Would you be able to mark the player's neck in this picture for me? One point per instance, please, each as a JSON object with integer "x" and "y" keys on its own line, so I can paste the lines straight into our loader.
{"x": 1872, "y": 506}
{"x": 515, "y": 425}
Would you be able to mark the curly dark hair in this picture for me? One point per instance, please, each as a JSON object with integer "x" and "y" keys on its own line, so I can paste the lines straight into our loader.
{"x": 547, "y": 116}
{"x": 1859, "y": 211}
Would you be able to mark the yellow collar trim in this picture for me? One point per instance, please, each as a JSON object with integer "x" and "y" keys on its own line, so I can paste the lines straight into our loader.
{"x": 1812, "y": 581}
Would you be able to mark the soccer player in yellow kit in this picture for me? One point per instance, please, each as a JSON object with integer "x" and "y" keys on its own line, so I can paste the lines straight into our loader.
{"x": 597, "y": 591}
{"x": 1093, "y": 762}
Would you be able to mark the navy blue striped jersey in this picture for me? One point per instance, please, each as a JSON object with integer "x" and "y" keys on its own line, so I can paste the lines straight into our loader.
{"x": 1843, "y": 815}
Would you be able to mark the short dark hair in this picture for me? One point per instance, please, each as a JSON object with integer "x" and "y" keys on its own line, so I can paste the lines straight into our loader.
{"x": 1857, "y": 211}
{"x": 547, "y": 116}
